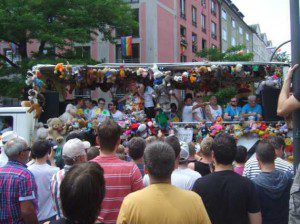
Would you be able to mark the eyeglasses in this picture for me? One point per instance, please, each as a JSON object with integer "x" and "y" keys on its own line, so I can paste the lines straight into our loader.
{"x": 233, "y": 101}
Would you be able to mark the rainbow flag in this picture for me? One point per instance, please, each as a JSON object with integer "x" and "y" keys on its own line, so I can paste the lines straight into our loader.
{"x": 126, "y": 44}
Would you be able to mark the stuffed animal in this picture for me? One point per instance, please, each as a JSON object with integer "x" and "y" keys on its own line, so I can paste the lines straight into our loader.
{"x": 33, "y": 103}
{"x": 56, "y": 130}
{"x": 216, "y": 129}
{"x": 69, "y": 114}
{"x": 41, "y": 132}
{"x": 59, "y": 70}
{"x": 158, "y": 76}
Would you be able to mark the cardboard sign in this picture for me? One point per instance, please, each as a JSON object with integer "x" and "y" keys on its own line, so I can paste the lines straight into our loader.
{"x": 185, "y": 134}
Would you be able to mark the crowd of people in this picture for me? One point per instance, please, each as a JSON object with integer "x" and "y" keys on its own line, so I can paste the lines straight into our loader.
{"x": 140, "y": 102}
{"x": 153, "y": 180}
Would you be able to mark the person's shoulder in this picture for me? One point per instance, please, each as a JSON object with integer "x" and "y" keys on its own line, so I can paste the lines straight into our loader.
{"x": 284, "y": 163}
{"x": 245, "y": 106}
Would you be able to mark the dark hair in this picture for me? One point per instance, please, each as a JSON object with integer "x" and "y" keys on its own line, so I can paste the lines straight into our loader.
{"x": 40, "y": 148}
{"x": 277, "y": 142}
{"x": 241, "y": 154}
{"x": 92, "y": 153}
{"x": 159, "y": 158}
{"x": 76, "y": 134}
{"x": 188, "y": 96}
{"x": 94, "y": 102}
{"x": 101, "y": 99}
{"x": 82, "y": 191}
{"x": 192, "y": 150}
{"x": 114, "y": 102}
{"x": 224, "y": 148}
{"x": 265, "y": 152}
{"x": 173, "y": 141}
{"x": 173, "y": 105}
{"x": 136, "y": 148}
{"x": 109, "y": 133}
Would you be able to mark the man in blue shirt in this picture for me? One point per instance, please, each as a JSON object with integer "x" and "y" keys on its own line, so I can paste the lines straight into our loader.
{"x": 233, "y": 112}
{"x": 252, "y": 110}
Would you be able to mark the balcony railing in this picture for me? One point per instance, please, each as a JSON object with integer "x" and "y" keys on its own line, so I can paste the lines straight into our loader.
{"x": 128, "y": 60}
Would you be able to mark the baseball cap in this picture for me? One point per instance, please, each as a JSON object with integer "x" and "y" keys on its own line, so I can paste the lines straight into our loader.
{"x": 9, "y": 135}
{"x": 75, "y": 147}
{"x": 184, "y": 152}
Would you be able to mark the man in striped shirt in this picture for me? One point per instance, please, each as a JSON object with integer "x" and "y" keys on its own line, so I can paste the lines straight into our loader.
{"x": 121, "y": 177}
{"x": 251, "y": 169}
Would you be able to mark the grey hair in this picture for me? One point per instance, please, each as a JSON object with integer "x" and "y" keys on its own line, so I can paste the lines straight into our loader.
{"x": 159, "y": 158}
{"x": 13, "y": 147}
{"x": 252, "y": 97}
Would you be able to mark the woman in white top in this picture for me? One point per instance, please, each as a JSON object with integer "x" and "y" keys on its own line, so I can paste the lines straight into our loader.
{"x": 213, "y": 110}
{"x": 116, "y": 114}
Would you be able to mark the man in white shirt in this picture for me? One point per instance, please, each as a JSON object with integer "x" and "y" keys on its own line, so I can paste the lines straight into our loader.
{"x": 187, "y": 111}
{"x": 42, "y": 151}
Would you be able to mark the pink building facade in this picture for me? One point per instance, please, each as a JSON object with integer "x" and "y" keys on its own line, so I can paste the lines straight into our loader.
{"x": 169, "y": 31}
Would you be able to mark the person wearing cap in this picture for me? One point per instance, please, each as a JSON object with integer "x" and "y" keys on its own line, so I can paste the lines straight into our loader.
{"x": 18, "y": 189}
{"x": 74, "y": 152}
{"x": 183, "y": 166}
{"x": 7, "y": 136}
{"x": 161, "y": 202}
{"x": 179, "y": 177}
{"x": 136, "y": 148}
{"x": 121, "y": 177}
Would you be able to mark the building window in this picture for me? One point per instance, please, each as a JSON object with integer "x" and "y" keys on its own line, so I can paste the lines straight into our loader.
{"x": 203, "y": 23}
{"x": 194, "y": 43}
{"x": 224, "y": 14}
{"x": 182, "y": 31}
{"x": 182, "y": 9}
{"x": 83, "y": 51}
{"x": 224, "y": 35}
{"x": 247, "y": 36}
{"x": 213, "y": 7}
{"x": 214, "y": 30}
{"x": 233, "y": 41}
{"x": 194, "y": 16}
{"x": 241, "y": 30}
{"x": 183, "y": 58}
{"x": 203, "y": 3}
{"x": 135, "y": 58}
{"x": 233, "y": 23}
{"x": 204, "y": 44}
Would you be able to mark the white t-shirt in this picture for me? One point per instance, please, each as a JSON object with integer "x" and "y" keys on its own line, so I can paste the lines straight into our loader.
{"x": 3, "y": 157}
{"x": 118, "y": 116}
{"x": 199, "y": 112}
{"x": 187, "y": 114}
{"x": 215, "y": 113}
{"x": 42, "y": 175}
{"x": 148, "y": 98}
{"x": 183, "y": 178}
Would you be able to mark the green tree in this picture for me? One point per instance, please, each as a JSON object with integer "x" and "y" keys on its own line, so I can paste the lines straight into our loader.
{"x": 235, "y": 53}
{"x": 60, "y": 23}
{"x": 282, "y": 57}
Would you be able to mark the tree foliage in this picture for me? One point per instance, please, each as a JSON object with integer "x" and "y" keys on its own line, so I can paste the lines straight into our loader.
{"x": 60, "y": 23}
{"x": 235, "y": 53}
{"x": 282, "y": 57}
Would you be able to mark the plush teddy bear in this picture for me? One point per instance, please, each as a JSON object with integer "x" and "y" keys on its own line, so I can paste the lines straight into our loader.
{"x": 56, "y": 130}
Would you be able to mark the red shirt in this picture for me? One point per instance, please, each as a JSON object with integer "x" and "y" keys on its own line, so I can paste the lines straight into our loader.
{"x": 121, "y": 178}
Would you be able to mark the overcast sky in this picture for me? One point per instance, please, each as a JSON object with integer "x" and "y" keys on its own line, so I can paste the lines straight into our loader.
{"x": 273, "y": 16}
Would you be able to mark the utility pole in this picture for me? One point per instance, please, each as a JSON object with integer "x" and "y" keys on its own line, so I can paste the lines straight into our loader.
{"x": 295, "y": 45}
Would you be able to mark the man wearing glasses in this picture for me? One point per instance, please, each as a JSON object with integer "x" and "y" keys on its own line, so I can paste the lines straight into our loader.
{"x": 18, "y": 198}
{"x": 252, "y": 110}
{"x": 233, "y": 111}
